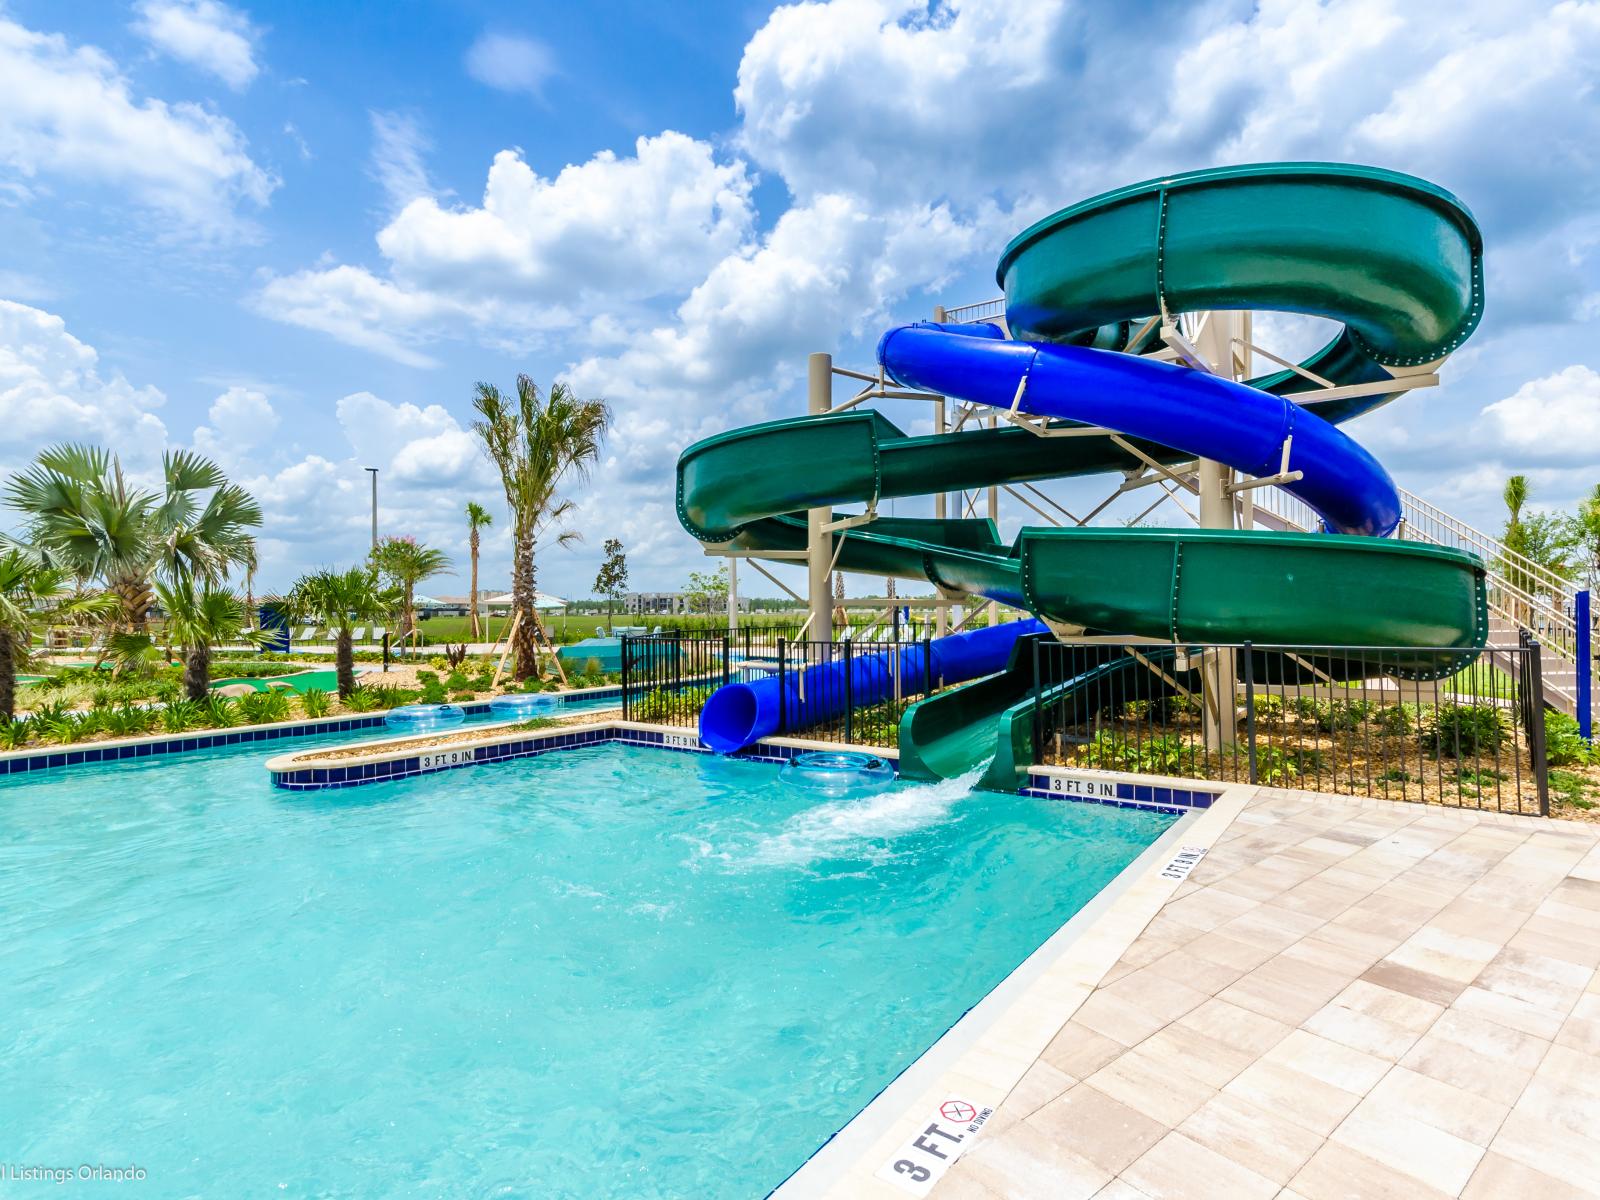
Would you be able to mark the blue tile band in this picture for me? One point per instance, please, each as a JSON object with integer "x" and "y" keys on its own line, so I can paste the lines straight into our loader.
{"x": 1118, "y": 793}
{"x": 309, "y": 778}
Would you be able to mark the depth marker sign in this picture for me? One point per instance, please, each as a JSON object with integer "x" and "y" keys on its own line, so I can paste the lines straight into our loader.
{"x": 1183, "y": 862}
{"x": 926, "y": 1155}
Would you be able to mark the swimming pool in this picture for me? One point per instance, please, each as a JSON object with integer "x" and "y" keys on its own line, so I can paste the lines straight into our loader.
{"x": 602, "y": 972}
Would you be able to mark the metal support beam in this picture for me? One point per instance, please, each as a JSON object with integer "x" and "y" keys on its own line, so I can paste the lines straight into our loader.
{"x": 994, "y": 515}
{"x": 819, "y": 398}
{"x": 941, "y": 500}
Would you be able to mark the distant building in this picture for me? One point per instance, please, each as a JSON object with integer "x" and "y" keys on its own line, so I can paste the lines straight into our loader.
{"x": 655, "y": 604}
{"x": 670, "y": 604}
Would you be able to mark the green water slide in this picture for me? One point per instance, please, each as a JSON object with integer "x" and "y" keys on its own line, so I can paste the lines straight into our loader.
{"x": 1394, "y": 260}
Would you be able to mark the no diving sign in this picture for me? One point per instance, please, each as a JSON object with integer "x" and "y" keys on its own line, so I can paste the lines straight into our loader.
{"x": 926, "y": 1155}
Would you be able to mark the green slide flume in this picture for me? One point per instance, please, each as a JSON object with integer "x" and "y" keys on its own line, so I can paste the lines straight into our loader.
{"x": 1394, "y": 260}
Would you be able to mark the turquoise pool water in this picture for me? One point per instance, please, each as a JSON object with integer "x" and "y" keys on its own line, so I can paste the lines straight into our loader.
{"x": 610, "y": 972}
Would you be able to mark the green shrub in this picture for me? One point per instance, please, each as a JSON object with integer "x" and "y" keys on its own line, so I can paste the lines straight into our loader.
{"x": 433, "y": 691}
{"x": 46, "y": 714}
{"x": 591, "y": 666}
{"x": 455, "y": 681}
{"x": 264, "y": 708}
{"x": 1280, "y": 764}
{"x": 221, "y": 711}
{"x": 1463, "y": 730}
{"x": 1398, "y": 720}
{"x": 1331, "y": 716}
{"x": 1269, "y": 710}
{"x": 127, "y": 720}
{"x": 660, "y": 703}
{"x": 1563, "y": 744}
{"x": 315, "y": 702}
{"x": 360, "y": 701}
{"x": 1166, "y": 755}
{"x": 14, "y": 734}
{"x": 179, "y": 715}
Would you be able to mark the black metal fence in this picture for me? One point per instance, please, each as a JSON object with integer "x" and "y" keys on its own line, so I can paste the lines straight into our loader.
{"x": 845, "y": 691}
{"x": 1440, "y": 726}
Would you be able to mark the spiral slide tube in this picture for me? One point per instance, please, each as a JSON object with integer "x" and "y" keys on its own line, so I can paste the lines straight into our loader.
{"x": 1396, "y": 261}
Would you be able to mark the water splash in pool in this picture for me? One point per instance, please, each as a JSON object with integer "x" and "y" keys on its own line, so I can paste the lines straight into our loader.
{"x": 851, "y": 826}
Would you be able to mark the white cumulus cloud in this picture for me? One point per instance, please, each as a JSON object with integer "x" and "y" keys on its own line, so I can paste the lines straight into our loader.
{"x": 204, "y": 34}
{"x": 614, "y": 228}
{"x": 67, "y": 111}
{"x": 52, "y": 390}
{"x": 1552, "y": 419}
{"x": 510, "y": 62}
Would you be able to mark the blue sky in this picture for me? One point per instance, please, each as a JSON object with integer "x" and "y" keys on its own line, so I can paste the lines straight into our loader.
{"x": 294, "y": 236}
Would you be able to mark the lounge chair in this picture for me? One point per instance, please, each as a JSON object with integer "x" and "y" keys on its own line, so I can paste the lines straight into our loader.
{"x": 307, "y": 633}
{"x": 377, "y": 633}
{"x": 358, "y": 634}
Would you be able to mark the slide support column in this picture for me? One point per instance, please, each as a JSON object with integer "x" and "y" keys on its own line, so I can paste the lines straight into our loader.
{"x": 1215, "y": 344}
{"x": 994, "y": 515}
{"x": 819, "y": 545}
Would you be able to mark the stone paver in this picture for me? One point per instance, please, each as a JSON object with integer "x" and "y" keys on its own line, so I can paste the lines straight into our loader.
{"x": 1345, "y": 998}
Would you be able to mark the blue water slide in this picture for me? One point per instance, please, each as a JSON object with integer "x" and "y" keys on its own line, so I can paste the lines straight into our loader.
{"x": 738, "y": 714}
{"x": 1189, "y": 410}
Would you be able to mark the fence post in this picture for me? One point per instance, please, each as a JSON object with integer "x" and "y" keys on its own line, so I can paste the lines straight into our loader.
{"x": 1536, "y": 747}
{"x": 849, "y": 692}
{"x": 783, "y": 690}
{"x": 725, "y": 652}
{"x": 1250, "y": 708}
{"x": 627, "y": 702}
{"x": 927, "y": 667}
{"x": 1038, "y": 702}
{"x": 1585, "y": 663}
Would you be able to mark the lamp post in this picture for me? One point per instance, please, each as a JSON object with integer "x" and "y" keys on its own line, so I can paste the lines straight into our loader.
{"x": 373, "y": 471}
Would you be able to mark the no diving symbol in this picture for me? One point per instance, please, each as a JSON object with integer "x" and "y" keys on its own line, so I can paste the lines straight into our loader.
{"x": 957, "y": 1111}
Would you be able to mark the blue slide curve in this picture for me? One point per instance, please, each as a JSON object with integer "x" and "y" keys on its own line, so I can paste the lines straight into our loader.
{"x": 1192, "y": 411}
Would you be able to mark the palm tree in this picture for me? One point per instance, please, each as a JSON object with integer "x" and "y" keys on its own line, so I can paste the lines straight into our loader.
{"x": 341, "y": 600}
{"x": 536, "y": 442}
{"x": 477, "y": 517}
{"x": 406, "y": 562}
{"x": 1515, "y": 540}
{"x": 87, "y": 518}
{"x": 199, "y": 618}
{"x": 31, "y": 593}
{"x": 252, "y": 563}
{"x": 1515, "y": 495}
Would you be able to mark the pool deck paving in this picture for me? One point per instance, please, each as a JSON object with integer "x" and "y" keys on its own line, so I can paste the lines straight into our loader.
{"x": 1345, "y": 998}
